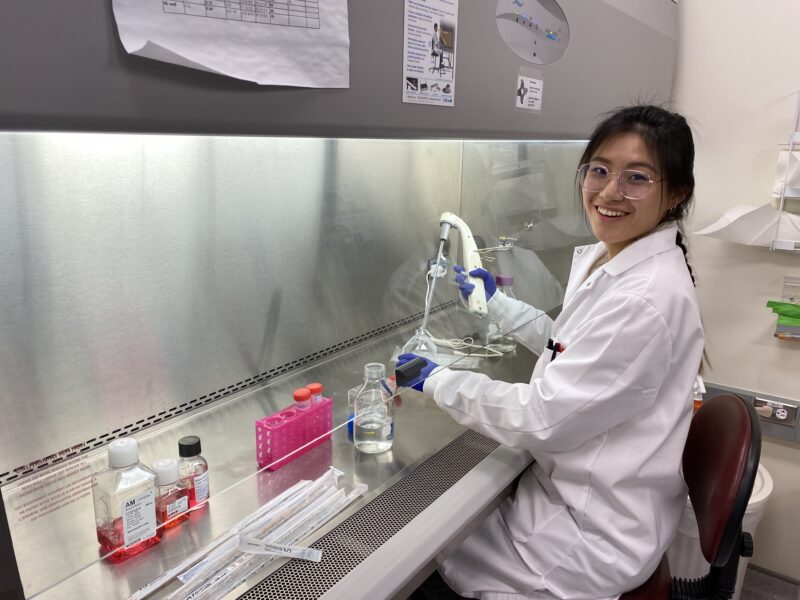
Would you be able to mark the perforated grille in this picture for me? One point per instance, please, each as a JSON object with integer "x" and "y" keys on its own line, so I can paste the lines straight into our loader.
{"x": 344, "y": 547}
{"x": 224, "y": 392}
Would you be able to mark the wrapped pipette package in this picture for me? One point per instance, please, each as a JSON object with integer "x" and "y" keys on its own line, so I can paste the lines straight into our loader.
{"x": 270, "y": 533}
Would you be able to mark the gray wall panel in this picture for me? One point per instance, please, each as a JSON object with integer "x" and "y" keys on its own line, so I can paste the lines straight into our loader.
{"x": 63, "y": 68}
{"x": 139, "y": 272}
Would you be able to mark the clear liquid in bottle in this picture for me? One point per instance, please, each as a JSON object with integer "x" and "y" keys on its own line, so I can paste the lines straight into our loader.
{"x": 373, "y": 430}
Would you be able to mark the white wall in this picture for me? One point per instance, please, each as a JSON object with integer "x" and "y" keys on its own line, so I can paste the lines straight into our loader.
{"x": 737, "y": 77}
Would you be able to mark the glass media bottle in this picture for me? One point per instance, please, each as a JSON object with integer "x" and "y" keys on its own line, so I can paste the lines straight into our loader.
{"x": 125, "y": 503}
{"x": 374, "y": 412}
{"x": 193, "y": 469}
{"x": 172, "y": 503}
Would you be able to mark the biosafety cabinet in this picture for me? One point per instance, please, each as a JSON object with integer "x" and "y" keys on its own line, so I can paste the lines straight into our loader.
{"x": 179, "y": 251}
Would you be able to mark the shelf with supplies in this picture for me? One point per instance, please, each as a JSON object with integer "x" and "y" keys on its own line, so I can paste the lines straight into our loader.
{"x": 788, "y": 310}
{"x": 786, "y": 189}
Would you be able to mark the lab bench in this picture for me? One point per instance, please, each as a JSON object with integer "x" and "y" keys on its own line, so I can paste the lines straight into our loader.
{"x": 424, "y": 495}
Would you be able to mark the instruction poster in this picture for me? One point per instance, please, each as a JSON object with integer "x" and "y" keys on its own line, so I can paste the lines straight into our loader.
{"x": 529, "y": 93}
{"x": 302, "y": 43}
{"x": 429, "y": 52}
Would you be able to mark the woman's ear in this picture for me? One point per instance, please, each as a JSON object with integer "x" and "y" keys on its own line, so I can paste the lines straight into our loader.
{"x": 672, "y": 206}
{"x": 675, "y": 201}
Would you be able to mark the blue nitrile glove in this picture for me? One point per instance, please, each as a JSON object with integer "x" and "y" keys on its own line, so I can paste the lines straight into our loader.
{"x": 419, "y": 381}
{"x": 466, "y": 288}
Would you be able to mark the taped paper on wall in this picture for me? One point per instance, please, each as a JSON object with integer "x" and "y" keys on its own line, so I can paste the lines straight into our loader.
{"x": 295, "y": 43}
{"x": 529, "y": 93}
{"x": 429, "y": 52}
{"x": 753, "y": 225}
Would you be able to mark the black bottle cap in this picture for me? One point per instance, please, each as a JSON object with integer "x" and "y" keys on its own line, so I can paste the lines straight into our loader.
{"x": 189, "y": 446}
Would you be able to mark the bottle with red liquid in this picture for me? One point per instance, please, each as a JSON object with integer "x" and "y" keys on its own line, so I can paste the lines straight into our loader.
{"x": 172, "y": 503}
{"x": 125, "y": 503}
{"x": 193, "y": 469}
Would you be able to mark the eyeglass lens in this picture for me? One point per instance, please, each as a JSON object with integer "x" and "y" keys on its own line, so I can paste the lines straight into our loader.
{"x": 632, "y": 184}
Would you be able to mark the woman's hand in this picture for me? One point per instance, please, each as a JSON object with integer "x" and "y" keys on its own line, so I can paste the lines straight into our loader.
{"x": 418, "y": 380}
{"x": 466, "y": 288}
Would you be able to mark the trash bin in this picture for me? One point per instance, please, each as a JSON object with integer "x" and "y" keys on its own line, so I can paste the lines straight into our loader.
{"x": 685, "y": 557}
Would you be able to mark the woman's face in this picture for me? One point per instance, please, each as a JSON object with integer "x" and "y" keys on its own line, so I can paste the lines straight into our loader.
{"x": 614, "y": 219}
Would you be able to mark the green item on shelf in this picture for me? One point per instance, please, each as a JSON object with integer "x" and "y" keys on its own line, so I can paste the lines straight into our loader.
{"x": 785, "y": 309}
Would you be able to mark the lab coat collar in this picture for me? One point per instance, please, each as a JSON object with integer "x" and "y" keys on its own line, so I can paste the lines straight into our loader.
{"x": 659, "y": 240}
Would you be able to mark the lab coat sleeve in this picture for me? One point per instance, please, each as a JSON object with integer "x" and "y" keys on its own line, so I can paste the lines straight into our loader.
{"x": 611, "y": 371}
{"x": 528, "y": 325}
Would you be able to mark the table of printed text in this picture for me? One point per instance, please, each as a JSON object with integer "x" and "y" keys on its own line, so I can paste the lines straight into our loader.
{"x": 291, "y": 13}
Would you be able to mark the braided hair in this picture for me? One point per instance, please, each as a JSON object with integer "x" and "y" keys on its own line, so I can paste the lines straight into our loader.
{"x": 668, "y": 138}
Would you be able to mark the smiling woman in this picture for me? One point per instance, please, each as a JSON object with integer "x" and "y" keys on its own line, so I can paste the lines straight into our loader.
{"x": 607, "y": 409}
{"x": 615, "y": 217}
{"x": 652, "y": 153}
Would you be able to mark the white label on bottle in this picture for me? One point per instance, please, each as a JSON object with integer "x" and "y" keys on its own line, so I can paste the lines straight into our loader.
{"x": 139, "y": 518}
{"x": 180, "y": 505}
{"x": 200, "y": 487}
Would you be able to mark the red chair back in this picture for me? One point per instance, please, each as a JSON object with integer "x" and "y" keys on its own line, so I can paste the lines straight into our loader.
{"x": 720, "y": 461}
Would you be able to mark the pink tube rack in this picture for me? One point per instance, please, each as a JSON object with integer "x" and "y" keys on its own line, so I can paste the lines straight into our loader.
{"x": 287, "y": 430}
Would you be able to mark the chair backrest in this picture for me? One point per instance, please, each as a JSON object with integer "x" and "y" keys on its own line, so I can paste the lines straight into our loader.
{"x": 720, "y": 461}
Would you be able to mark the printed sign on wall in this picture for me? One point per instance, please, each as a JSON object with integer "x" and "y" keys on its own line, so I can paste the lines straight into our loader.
{"x": 529, "y": 93}
{"x": 429, "y": 52}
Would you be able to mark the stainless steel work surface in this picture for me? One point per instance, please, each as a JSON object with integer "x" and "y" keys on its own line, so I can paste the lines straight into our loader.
{"x": 51, "y": 516}
{"x": 143, "y": 276}
{"x": 376, "y": 552}
{"x": 156, "y": 286}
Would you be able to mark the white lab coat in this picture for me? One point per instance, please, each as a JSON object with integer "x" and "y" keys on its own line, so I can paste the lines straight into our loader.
{"x": 605, "y": 422}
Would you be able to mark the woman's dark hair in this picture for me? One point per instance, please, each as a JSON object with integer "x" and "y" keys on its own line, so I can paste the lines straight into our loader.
{"x": 669, "y": 140}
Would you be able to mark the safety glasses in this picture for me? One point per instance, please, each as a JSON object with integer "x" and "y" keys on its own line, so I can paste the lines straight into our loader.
{"x": 633, "y": 185}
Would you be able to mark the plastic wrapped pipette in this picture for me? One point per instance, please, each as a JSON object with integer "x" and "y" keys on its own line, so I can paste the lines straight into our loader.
{"x": 230, "y": 571}
{"x": 169, "y": 575}
{"x": 289, "y": 522}
{"x": 224, "y": 582}
{"x": 280, "y": 512}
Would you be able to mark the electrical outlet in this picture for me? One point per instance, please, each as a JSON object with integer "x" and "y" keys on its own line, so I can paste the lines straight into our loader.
{"x": 778, "y": 416}
{"x": 776, "y": 412}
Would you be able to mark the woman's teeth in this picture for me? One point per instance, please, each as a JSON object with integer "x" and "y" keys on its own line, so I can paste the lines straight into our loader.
{"x": 610, "y": 213}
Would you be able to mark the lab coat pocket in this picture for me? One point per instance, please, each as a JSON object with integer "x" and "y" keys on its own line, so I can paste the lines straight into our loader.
{"x": 545, "y": 358}
{"x": 558, "y": 535}
{"x": 538, "y": 519}
{"x": 534, "y": 505}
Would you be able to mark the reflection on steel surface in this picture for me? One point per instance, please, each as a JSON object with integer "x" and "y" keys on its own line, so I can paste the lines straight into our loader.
{"x": 144, "y": 272}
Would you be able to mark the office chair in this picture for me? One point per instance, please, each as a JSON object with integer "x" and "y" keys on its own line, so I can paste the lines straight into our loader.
{"x": 720, "y": 461}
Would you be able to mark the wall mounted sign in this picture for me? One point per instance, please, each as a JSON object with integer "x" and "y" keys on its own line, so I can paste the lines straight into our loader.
{"x": 303, "y": 44}
{"x": 429, "y": 52}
